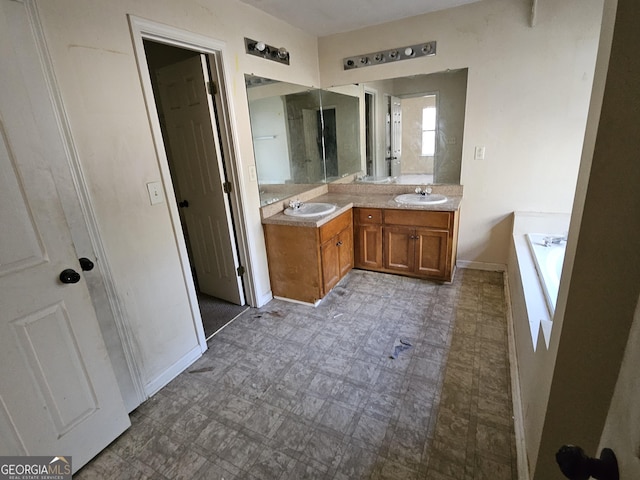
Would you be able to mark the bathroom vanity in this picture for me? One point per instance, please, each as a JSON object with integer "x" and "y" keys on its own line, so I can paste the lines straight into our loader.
{"x": 410, "y": 242}
{"x": 306, "y": 261}
{"x": 309, "y": 256}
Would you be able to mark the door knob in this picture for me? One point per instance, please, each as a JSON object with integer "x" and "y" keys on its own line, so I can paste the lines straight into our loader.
{"x": 85, "y": 264}
{"x": 576, "y": 465}
{"x": 183, "y": 204}
{"x": 69, "y": 276}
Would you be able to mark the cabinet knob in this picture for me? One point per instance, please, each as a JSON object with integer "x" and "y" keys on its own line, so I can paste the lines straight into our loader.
{"x": 339, "y": 243}
{"x": 370, "y": 216}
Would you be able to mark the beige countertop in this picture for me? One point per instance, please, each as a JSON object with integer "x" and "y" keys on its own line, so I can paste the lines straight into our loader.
{"x": 345, "y": 201}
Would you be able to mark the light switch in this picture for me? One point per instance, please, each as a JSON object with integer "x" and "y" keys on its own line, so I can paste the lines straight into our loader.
{"x": 252, "y": 173}
{"x": 156, "y": 195}
{"x": 479, "y": 153}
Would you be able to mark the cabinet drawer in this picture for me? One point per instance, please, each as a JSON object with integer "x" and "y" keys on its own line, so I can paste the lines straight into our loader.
{"x": 415, "y": 218}
{"x": 365, "y": 216}
{"x": 335, "y": 226}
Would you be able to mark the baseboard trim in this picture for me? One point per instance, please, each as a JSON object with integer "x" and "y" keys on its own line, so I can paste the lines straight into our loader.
{"x": 490, "y": 267}
{"x": 299, "y": 302}
{"x": 516, "y": 394}
{"x": 264, "y": 299}
{"x": 152, "y": 387}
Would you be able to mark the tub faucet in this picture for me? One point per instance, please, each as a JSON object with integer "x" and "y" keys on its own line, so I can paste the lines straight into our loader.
{"x": 554, "y": 240}
{"x": 295, "y": 204}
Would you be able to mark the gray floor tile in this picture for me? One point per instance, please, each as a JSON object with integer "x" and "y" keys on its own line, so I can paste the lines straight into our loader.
{"x": 289, "y": 391}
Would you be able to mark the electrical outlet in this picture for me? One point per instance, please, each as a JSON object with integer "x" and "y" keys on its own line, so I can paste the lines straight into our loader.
{"x": 479, "y": 153}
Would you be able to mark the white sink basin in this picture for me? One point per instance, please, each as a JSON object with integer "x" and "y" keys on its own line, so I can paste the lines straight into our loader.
{"x": 311, "y": 210}
{"x": 417, "y": 199}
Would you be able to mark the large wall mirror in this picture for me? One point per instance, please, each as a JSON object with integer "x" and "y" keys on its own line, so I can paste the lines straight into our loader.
{"x": 402, "y": 130}
{"x": 414, "y": 128}
{"x": 302, "y": 136}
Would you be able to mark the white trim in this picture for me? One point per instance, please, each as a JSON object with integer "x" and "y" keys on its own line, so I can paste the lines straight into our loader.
{"x": 173, "y": 371}
{"x": 516, "y": 393}
{"x": 88, "y": 213}
{"x": 264, "y": 299}
{"x": 489, "y": 267}
{"x": 142, "y": 29}
{"x": 299, "y": 302}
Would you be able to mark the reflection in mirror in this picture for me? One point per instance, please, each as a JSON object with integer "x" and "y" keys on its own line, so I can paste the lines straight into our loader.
{"x": 301, "y": 136}
{"x": 414, "y": 128}
{"x": 341, "y": 131}
{"x": 286, "y": 152}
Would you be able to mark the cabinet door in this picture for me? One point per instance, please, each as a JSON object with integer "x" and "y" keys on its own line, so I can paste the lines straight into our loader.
{"x": 330, "y": 252}
{"x": 431, "y": 247}
{"x": 368, "y": 247}
{"x": 398, "y": 248}
{"x": 345, "y": 251}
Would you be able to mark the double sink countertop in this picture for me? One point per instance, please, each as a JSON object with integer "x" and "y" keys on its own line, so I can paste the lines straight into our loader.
{"x": 347, "y": 198}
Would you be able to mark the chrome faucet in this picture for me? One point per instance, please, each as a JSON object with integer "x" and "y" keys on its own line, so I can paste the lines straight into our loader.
{"x": 295, "y": 204}
{"x": 423, "y": 191}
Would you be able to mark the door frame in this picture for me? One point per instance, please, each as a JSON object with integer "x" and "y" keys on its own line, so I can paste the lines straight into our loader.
{"x": 86, "y": 237}
{"x": 143, "y": 29}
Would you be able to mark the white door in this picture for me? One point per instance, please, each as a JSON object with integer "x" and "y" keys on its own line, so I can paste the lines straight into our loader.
{"x": 197, "y": 161}
{"x": 58, "y": 392}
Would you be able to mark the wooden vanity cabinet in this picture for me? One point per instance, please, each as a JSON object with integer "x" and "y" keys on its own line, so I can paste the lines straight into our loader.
{"x": 305, "y": 263}
{"x": 337, "y": 258}
{"x": 420, "y": 243}
{"x": 410, "y": 242}
{"x": 368, "y": 238}
{"x": 416, "y": 251}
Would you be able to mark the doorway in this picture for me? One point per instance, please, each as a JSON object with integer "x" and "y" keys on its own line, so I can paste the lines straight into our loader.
{"x": 185, "y": 98}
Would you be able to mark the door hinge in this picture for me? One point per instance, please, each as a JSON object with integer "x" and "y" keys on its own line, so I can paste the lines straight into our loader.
{"x": 240, "y": 270}
{"x": 211, "y": 88}
{"x": 226, "y": 186}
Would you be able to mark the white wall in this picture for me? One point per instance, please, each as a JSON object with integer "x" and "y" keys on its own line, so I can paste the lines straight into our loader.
{"x": 93, "y": 57}
{"x": 527, "y": 100}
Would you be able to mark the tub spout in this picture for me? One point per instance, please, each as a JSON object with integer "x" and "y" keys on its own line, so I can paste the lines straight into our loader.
{"x": 553, "y": 240}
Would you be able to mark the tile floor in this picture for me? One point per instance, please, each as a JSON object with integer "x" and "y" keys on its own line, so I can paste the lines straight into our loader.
{"x": 293, "y": 392}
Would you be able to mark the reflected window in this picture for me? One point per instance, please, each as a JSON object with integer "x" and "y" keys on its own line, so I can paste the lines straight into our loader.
{"x": 428, "y": 131}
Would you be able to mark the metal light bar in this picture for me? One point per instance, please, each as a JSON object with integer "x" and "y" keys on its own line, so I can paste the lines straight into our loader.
{"x": 261, "y": 49}
{"x": 387, "y": 56}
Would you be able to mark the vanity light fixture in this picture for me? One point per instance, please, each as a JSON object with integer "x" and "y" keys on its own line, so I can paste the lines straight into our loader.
{"x": 426, "y": 49}
{"x": 261, "y": 49}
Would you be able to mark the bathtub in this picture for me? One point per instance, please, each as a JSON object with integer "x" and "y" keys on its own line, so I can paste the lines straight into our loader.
{"x": 534, "y": 279}
{"x": 548, "y": 260}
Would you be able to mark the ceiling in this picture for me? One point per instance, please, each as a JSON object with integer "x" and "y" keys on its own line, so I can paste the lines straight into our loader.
{"x": 326, "y": 17}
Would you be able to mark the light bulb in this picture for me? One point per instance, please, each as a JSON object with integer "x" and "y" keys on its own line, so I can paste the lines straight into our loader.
{"x": 260, "y": 46}
{"x": 408, "y": 51}
{"x": 282, "y": 53}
